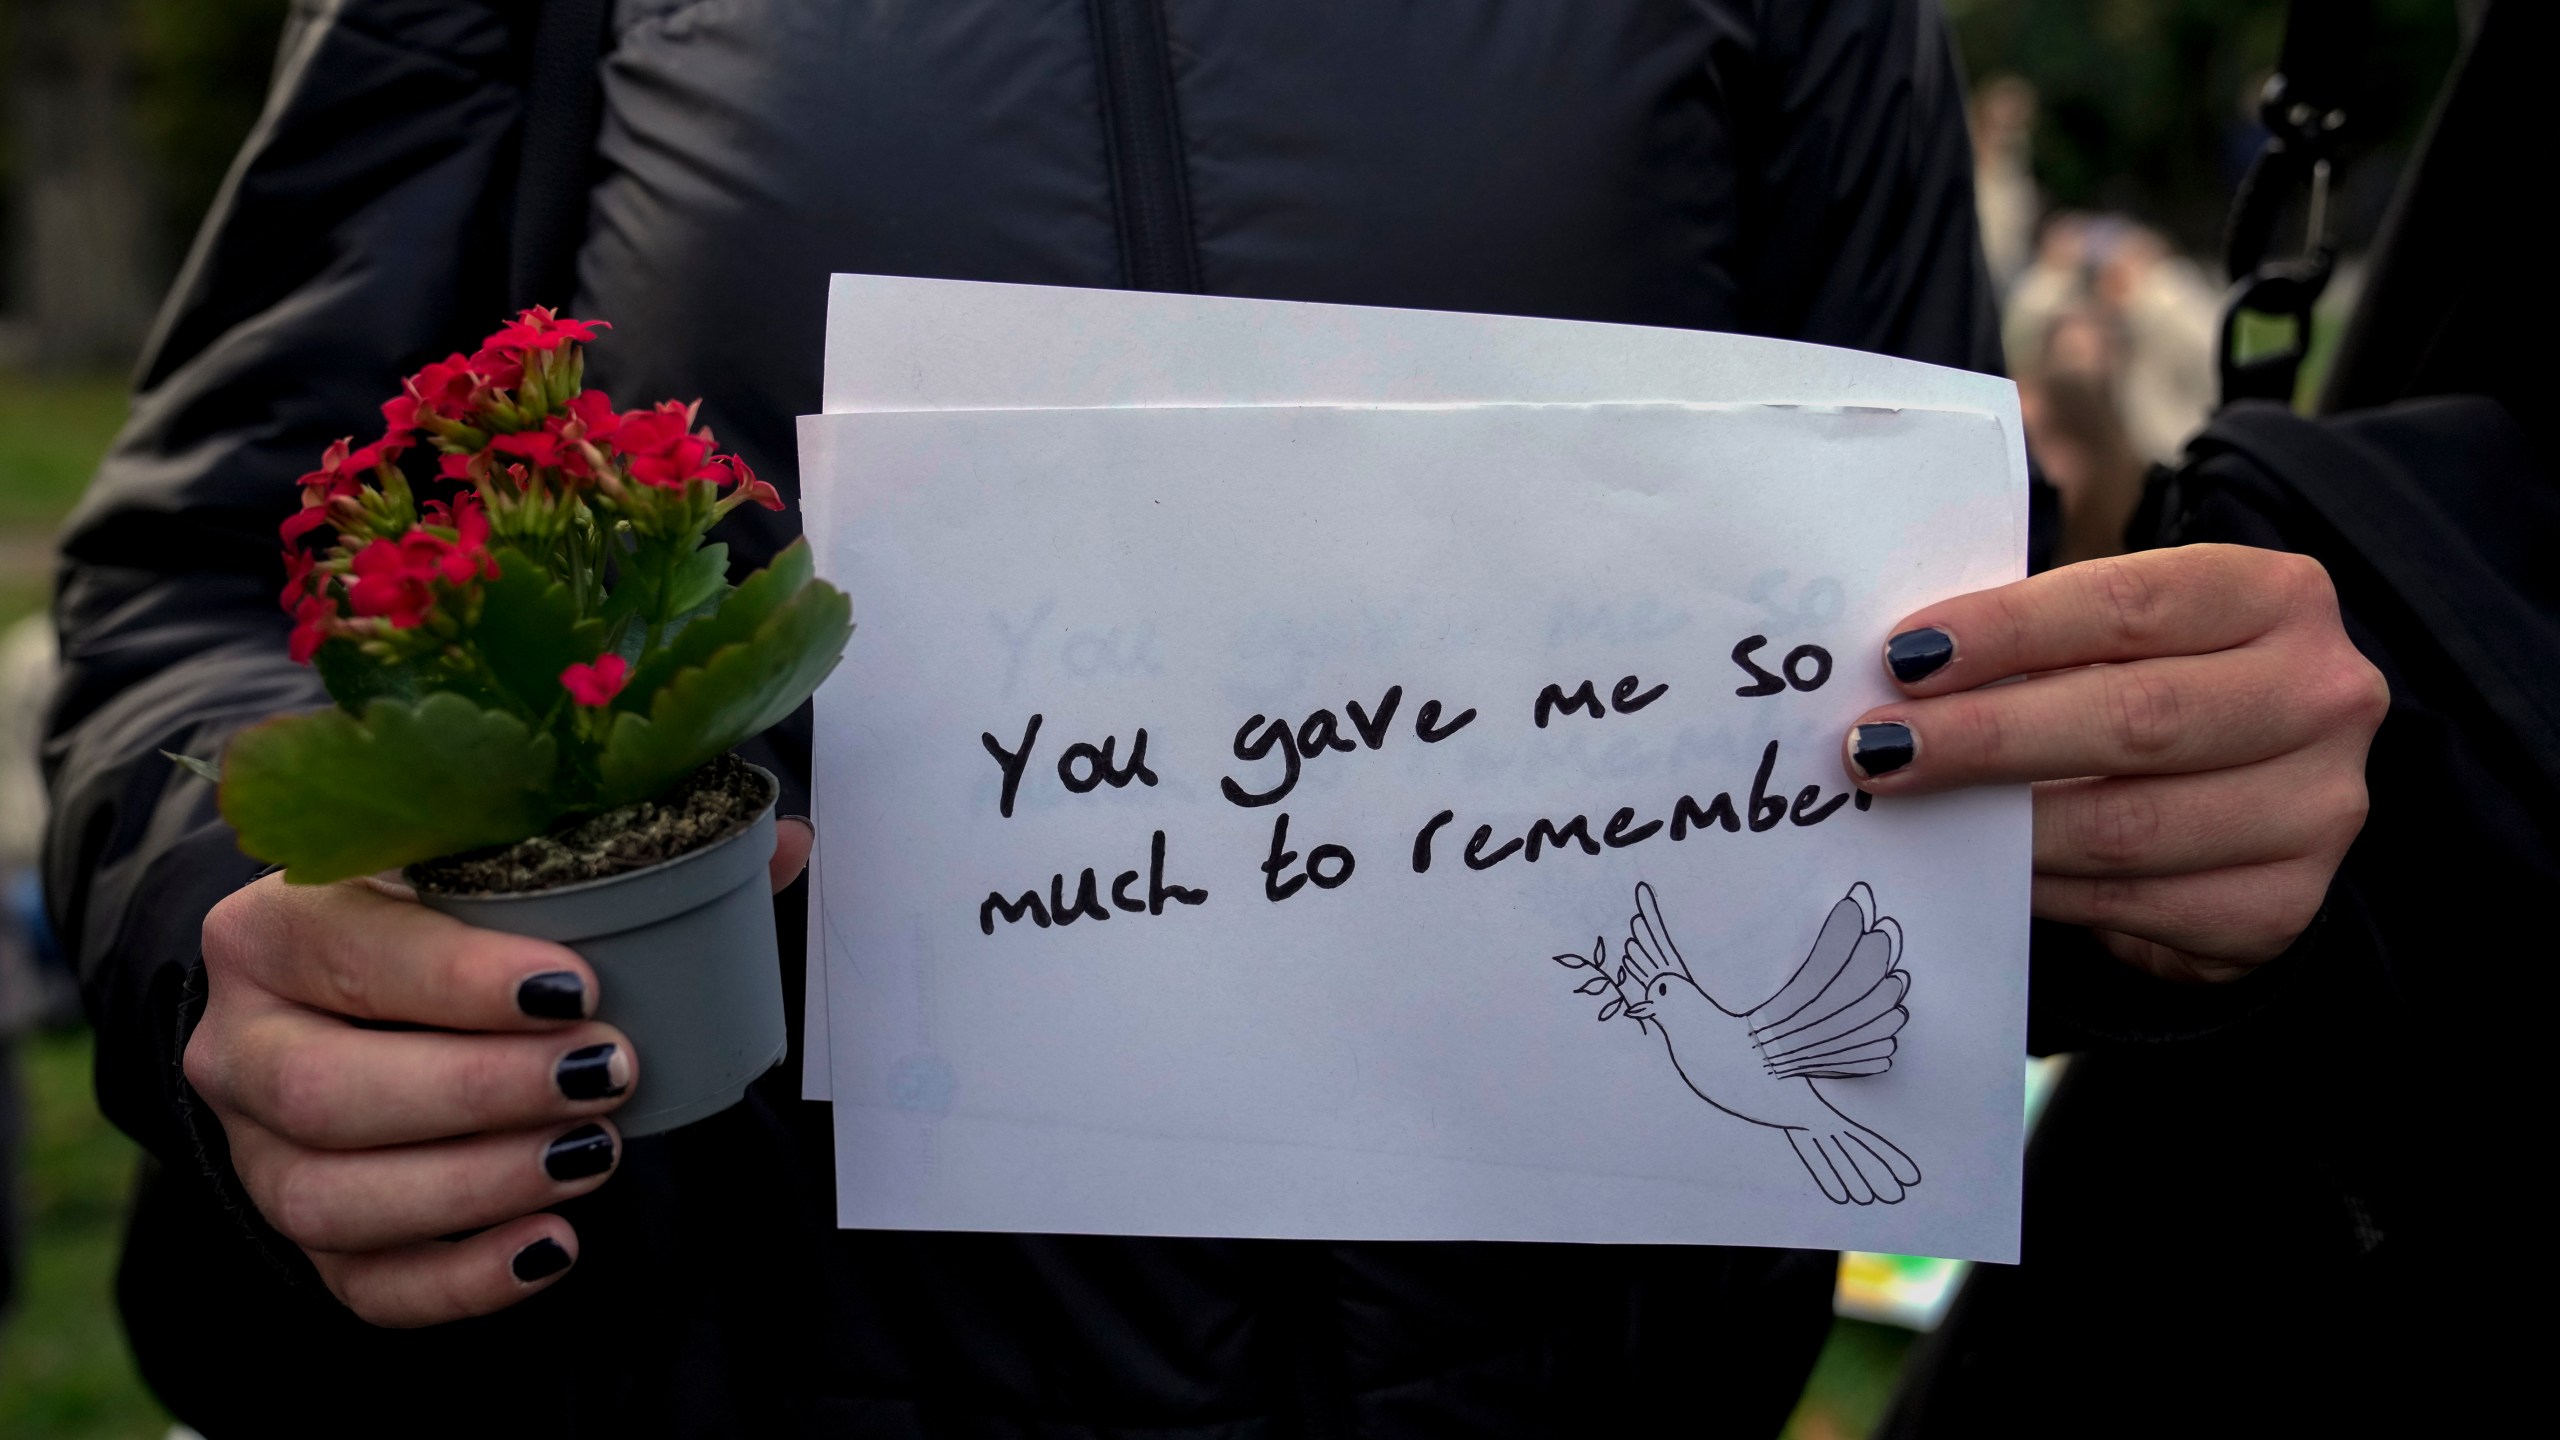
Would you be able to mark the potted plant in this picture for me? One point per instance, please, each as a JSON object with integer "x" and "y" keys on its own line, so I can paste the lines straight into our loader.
{"x": 540, "y": 668}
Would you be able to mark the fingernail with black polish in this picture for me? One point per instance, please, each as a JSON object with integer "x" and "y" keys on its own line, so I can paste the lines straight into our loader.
{"x": 553, "y": 995}
{"x": 540, "y": 1260}
{"x": 1882, "y": 748}
{"x": 585, "y": 1151}
{"x": 1915, "y": 655}
{"x": 587, "y": 1074}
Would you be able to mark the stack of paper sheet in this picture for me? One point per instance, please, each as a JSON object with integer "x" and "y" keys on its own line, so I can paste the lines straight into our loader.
{"x": 1332, "y": 772}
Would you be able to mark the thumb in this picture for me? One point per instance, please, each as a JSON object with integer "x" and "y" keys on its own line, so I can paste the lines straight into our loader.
{"x": 792, "y": 839}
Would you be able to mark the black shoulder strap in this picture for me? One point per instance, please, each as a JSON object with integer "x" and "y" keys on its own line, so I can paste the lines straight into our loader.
{"x": 2304, "y": 108}
{"x": 555, "y": 161}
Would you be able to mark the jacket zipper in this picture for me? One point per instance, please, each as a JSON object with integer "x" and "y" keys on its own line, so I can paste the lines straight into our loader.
{"x": 1143, "y": 133}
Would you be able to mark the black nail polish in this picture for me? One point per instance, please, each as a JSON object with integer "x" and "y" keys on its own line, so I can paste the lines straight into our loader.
{"x": 1915, "y": 655}
{"x": 587, "y": 1074}
{"x": 1882, "y": 748}
{"x": 540, "y": 1260}
{"x": 553, "y": 995}
{"x": 585, "y": 1151}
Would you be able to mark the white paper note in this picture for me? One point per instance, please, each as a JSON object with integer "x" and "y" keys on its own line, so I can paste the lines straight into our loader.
{"x": 899, "y": 343}
{"x": 1385, "y": 1053}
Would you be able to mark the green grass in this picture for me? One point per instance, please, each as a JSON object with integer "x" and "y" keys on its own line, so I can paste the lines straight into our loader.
{"x": 65, "y": 1373}
{"x": 52, "y": 432}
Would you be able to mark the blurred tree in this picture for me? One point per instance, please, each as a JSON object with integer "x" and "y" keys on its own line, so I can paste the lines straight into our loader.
{"x": 202, "y": 73}
{"x": 122, "y": 118}
{"x": 81, "y": 203}
{"x": 2149, "y": 106}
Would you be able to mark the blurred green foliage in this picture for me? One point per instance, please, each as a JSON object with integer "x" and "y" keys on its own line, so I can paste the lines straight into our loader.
{"x": 52, "y": 431}
{"x": 199, "y": 71}
{"x": 65, "y": 1373}
{"x": 2149, "y": 107}
{"x": 202, "y": 69}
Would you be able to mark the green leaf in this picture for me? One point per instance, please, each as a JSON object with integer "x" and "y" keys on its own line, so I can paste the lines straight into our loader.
{"x": 201, "y": 769}
{"x": 696, "y": 581}
{"x": 356, "y": 680}
{"x": 654, "y": 581}
{"x": 329, "y": 795}
{"x": 529, "y": 632}
{"x": 742, "y": 690}
{"x": 745, "y": 611}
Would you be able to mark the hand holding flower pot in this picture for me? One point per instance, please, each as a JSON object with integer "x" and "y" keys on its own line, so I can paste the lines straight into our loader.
{"x": 543, "y": 654}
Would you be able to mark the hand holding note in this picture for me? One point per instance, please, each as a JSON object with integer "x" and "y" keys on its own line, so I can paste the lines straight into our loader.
{"x": 2195, "y": 720}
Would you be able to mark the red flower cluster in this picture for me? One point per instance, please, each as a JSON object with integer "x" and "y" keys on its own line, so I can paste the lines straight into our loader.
{"x": 597, "y": 684}
{"x": 394, "y": 580}
{"x": 504, "y": 429}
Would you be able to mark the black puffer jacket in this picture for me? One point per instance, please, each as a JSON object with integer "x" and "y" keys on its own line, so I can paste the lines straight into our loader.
{"x": 1793, "y": 169}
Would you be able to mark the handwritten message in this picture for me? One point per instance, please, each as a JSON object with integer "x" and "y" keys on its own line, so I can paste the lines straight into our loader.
{"x": 1375, "y": 822}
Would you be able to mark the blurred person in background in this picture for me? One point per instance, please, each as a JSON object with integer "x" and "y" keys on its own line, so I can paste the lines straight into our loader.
{"x": 2004, "y": 184}
{"x": 2110, "y": 336}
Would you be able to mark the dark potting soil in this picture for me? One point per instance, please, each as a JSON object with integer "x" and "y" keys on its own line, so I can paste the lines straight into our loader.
{"x": 710, "y": 805}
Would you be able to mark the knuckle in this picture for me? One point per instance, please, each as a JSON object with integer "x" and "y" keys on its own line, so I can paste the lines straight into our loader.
{"x": 2343, "y": 815}
{"x": 2111, "y": 902}
{"x": 231, "y": 927}
{"x": 2129, "y": 603}
{"x": 2143, "y": 712}
{"x": 2010, "y": 622}
{"x": 2306, "y": 580}
{"x": 202, "y": 1062}
{"x": 488, "y": 1081}
{"x": 299, "y": 1095}
{"x": 2369, "y": 694}
{"x": 1979, "y": 733}
{"x": 2119, "y": 825}
{"x": 294, "y": 1194}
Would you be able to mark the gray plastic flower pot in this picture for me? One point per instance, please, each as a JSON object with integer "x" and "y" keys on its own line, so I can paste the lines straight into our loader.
{"x": 685, "y": 954}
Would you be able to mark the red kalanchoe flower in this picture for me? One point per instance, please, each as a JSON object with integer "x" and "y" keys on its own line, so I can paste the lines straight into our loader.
{"x": 537, "y": 448}
{"x": 541, "y": 329}
{"x": 597, "y": 684}
{"x": 298, "y": 566}
{"x": 455, "y": 467}
{"x": 381, "y": 452}
{"x": 399, "y": 416}
{"x": 660, "y": 447}
{"x": 334, "y": 478}
{"x": 466, "y": 557}
{"x": 313, "y": 618}
{"x": 499, "y": 369}
{"x": 750, "y": 489}
{"x": 450, "y": 388}
{"x": 592, "y": 410}
{"x": 395, "y": 580}
{"x": 313, "y": 514}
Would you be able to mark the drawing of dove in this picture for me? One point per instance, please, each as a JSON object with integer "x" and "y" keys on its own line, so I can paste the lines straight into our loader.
{"x": 1835, "y": 1019}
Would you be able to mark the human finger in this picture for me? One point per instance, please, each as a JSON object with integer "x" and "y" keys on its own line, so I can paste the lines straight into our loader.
{"x": 362, "y": 949}
{"x": 348, "y": 1201}
{"x": 445, "y": 1280}
{"x": 2191, "y": 600}
{"x": 2167, "y": 716}
{"x": 2229, "y": 918}
{"x": 2131, "y": 826}
{"x": 323, "y": 1083}
{"x": 793, "y": 838}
